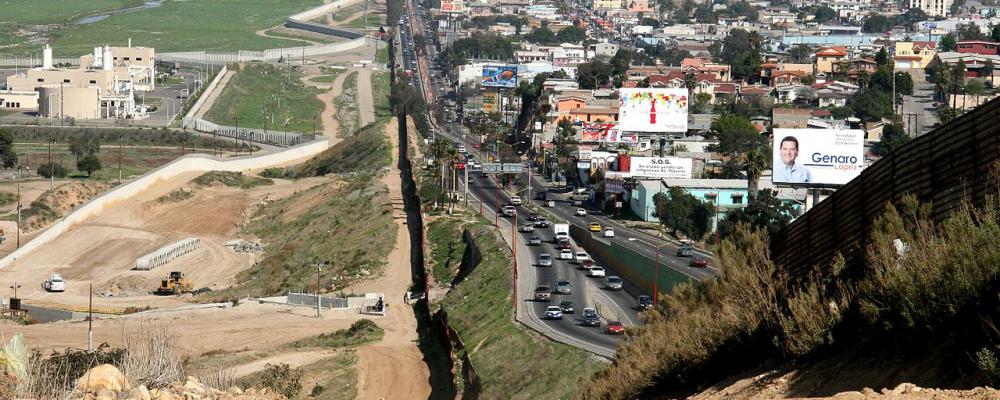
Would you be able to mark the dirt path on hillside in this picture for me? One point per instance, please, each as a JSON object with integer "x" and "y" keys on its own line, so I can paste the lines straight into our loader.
{"x": 366, "y": 98}
{"x": 330, "y": 125}
{"x": 295, "y": 360}
{"x": 393, "y": 368}
{"x": 214, "y": 95}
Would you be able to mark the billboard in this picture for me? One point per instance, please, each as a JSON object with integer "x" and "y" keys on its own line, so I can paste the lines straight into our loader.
{"x": 653, "y": 110}
{"x": 451, "y": 6}
{"x": 661, "y": 167}
{"x": 503, "y": 76}
{"x": 817, "y": 156}
{"x": 607, "y": 133}
{"x": 491, "y": 102}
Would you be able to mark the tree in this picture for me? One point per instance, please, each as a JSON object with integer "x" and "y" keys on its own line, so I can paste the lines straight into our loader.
{"x": 741, "y": 50}
{"x": 679, "y": 211}
{"x": 86, "y": 145}
{"x": 764, "y": 211}
{"x": 704, "y": 14}
{"x": 593, "y": 74}
{"x": 565, "y": 138}
{"x": 947, "y": 43}
{"x": 620, "y": 63}
{"x": 904, "y": 83}
{"x": 572, "y": 34}
{"x": 970, "y": 31}
{"x": 841, "y": 112}
{"x": 876, "y": 23}
{"x": 702, "y": 103}
{"x": 947, "y": 114}
{"x": 870, "y": 105}
{"x": 736, "y": 135}
{"x": 743, "y": 8}
{"x": 49, "y": 169}
{"x": 882, "y": 57}
{"x": 893, "y": 136}
{"x": 800, "y": 53}
{"x": 541, "y": 36}
{"x": 995, "y": 33}
{"x": 89, "y": 164}
{"x": 825, "y": 14}
{"x": 7, "y": 154}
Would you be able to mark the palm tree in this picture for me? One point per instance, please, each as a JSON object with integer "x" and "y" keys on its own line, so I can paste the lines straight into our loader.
{"x": 757, "y": 161}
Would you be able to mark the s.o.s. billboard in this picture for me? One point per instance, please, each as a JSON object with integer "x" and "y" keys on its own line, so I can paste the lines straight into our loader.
{"x": 653, "y": 110}
{"x": 504, "y": 76}
{"x": 661, "y": 167}
{"x": 817, "y": 156}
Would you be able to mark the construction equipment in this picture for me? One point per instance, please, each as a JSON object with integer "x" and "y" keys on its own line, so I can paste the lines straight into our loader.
{"x": 175, "y": 283}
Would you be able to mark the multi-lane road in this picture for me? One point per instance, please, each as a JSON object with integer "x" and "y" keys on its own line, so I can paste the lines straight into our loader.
{"x": 586, "y": 292}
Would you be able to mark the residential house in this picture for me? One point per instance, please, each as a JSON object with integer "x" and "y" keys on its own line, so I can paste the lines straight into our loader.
{"x": 855, "y": 67}
{"x": 605, "y": 49}
{"x": 782, "y": 78}
{"x": 726, "y": 195}
{"x": 977, "y": 47}
{"x": 827, "y": 56}
{"x": 790, "y": 117}
{"x": 707, "y": 84}
{"x": 788, "y": 93}
{"x": 975, "y": 64}
{"x": 639, "y": 6}
{"x": 914, "y": 55}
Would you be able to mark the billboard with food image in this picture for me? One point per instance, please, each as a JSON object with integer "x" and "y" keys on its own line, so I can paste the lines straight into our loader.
{"x": 503, "y": 76}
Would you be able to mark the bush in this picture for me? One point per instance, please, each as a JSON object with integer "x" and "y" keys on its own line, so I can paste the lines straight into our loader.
{"x": 89, "y": 164}
{"x": 47, "y": 170}
{"x": 281, "y": 378}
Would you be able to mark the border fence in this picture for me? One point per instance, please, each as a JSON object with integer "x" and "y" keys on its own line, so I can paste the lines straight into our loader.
{"x": 944, "y": 167}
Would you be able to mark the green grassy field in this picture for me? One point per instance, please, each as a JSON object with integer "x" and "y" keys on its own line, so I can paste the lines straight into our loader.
{"x": 318, "y": 38}
{"x": 347, "y": 12}
{"x": 57, "y": 11}
{"x": 512, "y": 361}
{"x": 135, "y": 160}
{"x": 380, "y": 93}
{"x": 258, "y": 87}
{"x": 211, "y": 25}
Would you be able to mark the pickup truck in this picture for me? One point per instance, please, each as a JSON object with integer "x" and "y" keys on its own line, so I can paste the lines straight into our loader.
{"x": 509, "y": 211}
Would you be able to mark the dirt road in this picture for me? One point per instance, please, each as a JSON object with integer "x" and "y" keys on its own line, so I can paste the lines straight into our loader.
{"x": 393, "y": 368}
{"x": 366, "y": 100}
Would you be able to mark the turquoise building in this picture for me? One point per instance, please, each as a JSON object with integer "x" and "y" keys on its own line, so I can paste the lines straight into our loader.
{"x": 725, "y": 194}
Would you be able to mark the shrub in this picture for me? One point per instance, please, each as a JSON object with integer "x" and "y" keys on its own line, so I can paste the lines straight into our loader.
{"x": 281, "y": 378}
{"x": 47, "y": 170}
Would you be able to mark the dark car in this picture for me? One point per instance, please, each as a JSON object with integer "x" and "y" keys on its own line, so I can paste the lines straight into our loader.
{"x": 541, "y": 196}
{"x": 534, "y": 240}
{"x": 590, "y": 317}
{"x": 542, "y": 222}
{"x": 685, "y": 251}
{"x": 533, "y": 217}
{"x": 644, "y": 302}
{"x": 586, "y": 264}
{"x": 699, "y": 262}
{"x": 567, "y": 307}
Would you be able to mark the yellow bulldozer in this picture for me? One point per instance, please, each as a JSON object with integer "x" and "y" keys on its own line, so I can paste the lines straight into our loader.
{"x": 175, "y": 283}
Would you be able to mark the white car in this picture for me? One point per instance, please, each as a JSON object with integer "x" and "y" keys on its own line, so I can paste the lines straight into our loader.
{"x": 544, "y": 260}
{"x": 515, "y": 200}
{"x": 527, "y": 228}
{"x": 609, "y": 232}
{"x": 581, "y": 212}
{"x": 580, "y": 257}
{"x": 565, "y": 254}
{"x": 553, "y": 312}
{"x": 55, "y": 283}
{"x": 596, "y": 272}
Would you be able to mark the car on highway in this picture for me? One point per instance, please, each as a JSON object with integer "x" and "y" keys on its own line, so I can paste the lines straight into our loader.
{"x": 527, "y": 228}
{"x": 544, "y": 260}
{"x": 577, "y": 202}
{"x": 581, "y": 212}
{"x": 643, "y": 302}
{"x": 698, "y": 262}
{"x": 586, "y": 265}
{"x": 550, "y": 203}
{"x": 477, "y": 146}
{"x": 563, "y": 244}
{"x": 580, "y": 256}
{"x": 613, "y": 283}
{"x": 515, "y": 200}
{"x": 542, "y": 222}
{"x": 533, "y": 217}
{"x": 685, "y": 251}
{"x": 565, "y": 254}
{"x": 534, "y": 240}
{"x": 615, "y": 328}
{"x": 580, "y": 190}
{"x": 609, "y": 232}
{"x": 596, "y": 272}
{"x": 553, "y": 312}
{"x": 461, "y": 149}
{"x": 543, "y": 293}
{"x": 54, "y": 283}
{"x": 594, "y": 227}
{"x": 590, "y": 317}
{"x": 509, "y": 211}
{"x": 567, "y": 307}
{"x": 563, "y": 287}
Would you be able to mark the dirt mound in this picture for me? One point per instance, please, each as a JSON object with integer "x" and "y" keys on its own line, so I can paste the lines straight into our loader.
{"x": 125, "y": 286}
{"x": 231, "y": 179}
{"x": 56, "y": 203}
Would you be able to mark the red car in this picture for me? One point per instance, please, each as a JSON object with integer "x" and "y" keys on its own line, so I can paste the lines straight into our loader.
{"x": 615, "y": 328}
{"x": 699, "y": 262}
{"x": 477, "y": 145}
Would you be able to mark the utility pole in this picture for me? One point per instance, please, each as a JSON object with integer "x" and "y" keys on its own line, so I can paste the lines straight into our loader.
{"x": 319, "y": 268}
{"x": 17, "y": 242}
{"x": 121, "y": 140}
{"x": 466, "y": 186}
{"x": 237, "y": 135}
{"x": 513, "y": 246}
{"x": 52, "y": 172}
{"x": 90, "y": 320}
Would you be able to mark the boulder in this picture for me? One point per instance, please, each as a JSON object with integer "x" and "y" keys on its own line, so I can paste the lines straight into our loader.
{"x": 139, "y": 393}
{"x": 104, "y": 376}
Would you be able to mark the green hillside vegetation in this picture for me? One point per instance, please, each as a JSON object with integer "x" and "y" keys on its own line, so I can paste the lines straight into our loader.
{"x": 231, "y": 179}
{"x": 512, "y": 361}
{"x": 205, "y": 25}
{"x": 930, "y": 316}
{"x": 258, "y": 87}
{"x": 58, "y": 11}
{"x": 361, "y": 332}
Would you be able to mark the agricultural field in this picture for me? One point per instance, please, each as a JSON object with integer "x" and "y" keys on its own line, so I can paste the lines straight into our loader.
{"x": 262, "y": 96}
{"x": 136, "y": 160}
{"x": 210, "y": 25}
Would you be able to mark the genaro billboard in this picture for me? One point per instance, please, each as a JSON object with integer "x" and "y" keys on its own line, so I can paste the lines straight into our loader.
{"x": 503, "y": 76}
{"x": 818, "y": 156}
{"x": 653, "y": 110}
{"x": 661, "y": 167}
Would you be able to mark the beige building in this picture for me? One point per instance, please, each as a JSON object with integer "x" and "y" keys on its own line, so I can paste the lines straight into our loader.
{"x": 607, "y": 4}
{"x": 104, "y": 85}
{"x": 827, "y": 56}
{"x": 933, "y": 8}
{"x": 12, "y": 100}
{"x": 914, "y": 54}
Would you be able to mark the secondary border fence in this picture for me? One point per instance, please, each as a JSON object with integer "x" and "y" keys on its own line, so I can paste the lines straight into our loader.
{"x": 309, "y": 299}
{"x": 945, "y": 167}
{"x": 278, "y": 138}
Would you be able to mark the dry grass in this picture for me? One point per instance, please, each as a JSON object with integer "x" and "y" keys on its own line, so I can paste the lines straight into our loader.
{"x": 152, "y": 359}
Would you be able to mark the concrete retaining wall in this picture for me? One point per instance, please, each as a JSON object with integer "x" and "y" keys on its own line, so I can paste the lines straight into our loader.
{"x": 189, "y": 163}
{"x": 322, "y": 28}
{"x": 637, "y": 268}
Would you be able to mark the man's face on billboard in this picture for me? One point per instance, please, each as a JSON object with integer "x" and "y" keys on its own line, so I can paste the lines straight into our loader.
{"x": 789, "y": 150}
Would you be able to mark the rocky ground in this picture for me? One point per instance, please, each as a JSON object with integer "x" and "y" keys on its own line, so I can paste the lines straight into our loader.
{"x": 106, "y": 382}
